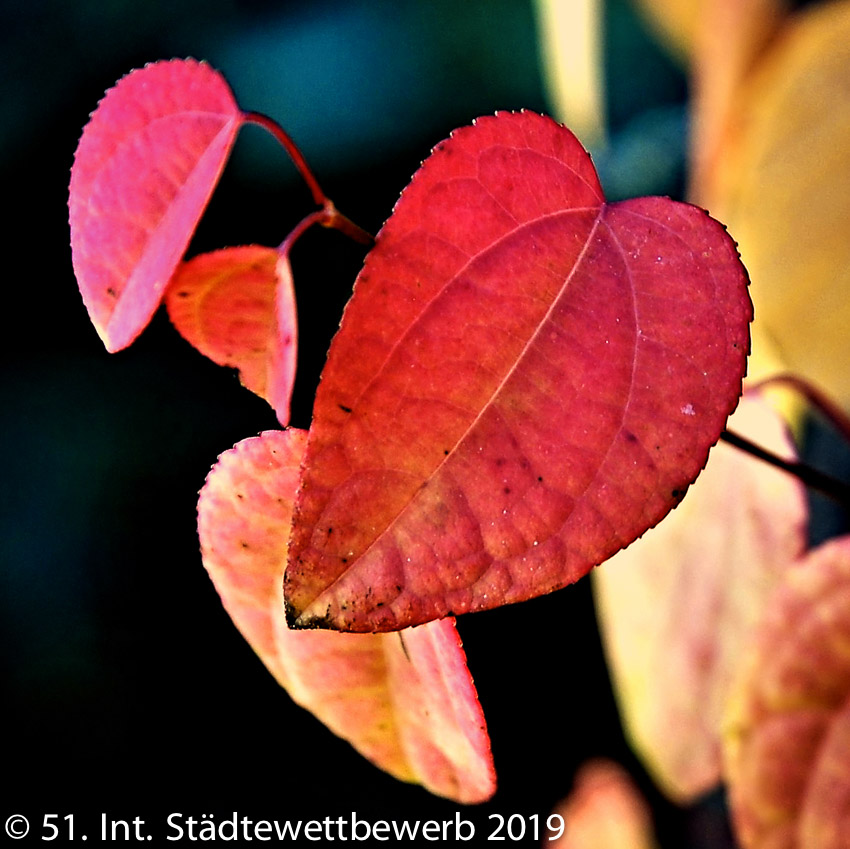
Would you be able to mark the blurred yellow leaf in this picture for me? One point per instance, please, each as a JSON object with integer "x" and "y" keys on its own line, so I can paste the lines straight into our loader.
{"x": 675, "y": 21}
{"x": 677, "y": 606}
{"x": 604, "y": 811}
{"x": 787, "y": 739}
{"x": 571, "y": 46}
{"x": 781, "y": 183}
{"x": 732, "y": 35}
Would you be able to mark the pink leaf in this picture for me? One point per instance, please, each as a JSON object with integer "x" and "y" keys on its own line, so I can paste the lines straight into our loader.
{"x": 788, "y": 727}
{"x": 406, "y": 701}
{"x": 237, "y": 307}
{"x": 143, "y": 172}
{"x": 525, "y": 380}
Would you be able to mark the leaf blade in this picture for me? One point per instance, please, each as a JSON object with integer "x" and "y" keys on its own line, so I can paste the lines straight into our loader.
{"x": 785, "y": 753}
{"x": 443, "y": 405}
{"x": 412, "y": 710}
{"x": 677, "y": 608}
{"x": 144, "y": 169}
{"x": 237, "y": 307}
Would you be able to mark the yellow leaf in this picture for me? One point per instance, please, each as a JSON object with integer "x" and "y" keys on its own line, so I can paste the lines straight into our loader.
{"x": 732, "y": 35}
{"x": 781, "y": 183}
{"x": 675, "y": 21}
{"x": 677, "y": 606}
{"x": 570, "y": 40}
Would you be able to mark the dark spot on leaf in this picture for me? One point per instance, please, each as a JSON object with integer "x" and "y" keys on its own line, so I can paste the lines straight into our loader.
{"x": 446, "y": 452}
{"x": 344, "y": 559}
{"x": 182, "y": 294}
{"x": 111, "y": 292}
{"x": 507, "y": 490}
{"x": 344, "y": 408}
{"x": 540, "y": 478}
{"x": 245, "y": 544}
{"x": 630, "y": 437}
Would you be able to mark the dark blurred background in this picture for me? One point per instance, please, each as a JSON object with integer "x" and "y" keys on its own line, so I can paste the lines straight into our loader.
{"x": 126, "y": 688}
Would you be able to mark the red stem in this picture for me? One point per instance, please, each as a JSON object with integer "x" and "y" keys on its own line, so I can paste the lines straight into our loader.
{"x": 328, "y": 216}
{"x": 292, "y": 149}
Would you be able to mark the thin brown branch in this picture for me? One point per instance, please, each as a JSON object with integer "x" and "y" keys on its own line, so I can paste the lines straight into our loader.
{"x": 826, "y": 484}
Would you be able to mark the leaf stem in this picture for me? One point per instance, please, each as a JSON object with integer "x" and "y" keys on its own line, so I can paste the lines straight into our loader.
{"x": 328, "y": 215}
{"x": 305, "y": 223}
{"x": 335, "y": 219}
{"x": 828, "y": 485}
{"x": 291, "y": 148}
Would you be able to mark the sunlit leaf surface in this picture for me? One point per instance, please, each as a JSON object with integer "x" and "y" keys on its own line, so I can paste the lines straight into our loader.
{"x": 525, "y": 379}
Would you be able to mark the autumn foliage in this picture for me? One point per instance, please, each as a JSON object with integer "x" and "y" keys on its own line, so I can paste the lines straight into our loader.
{"x": 526, "y": 380}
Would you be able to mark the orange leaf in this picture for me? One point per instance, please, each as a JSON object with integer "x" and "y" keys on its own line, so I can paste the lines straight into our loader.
{"x": 730, "y": 38}
{"x": 406, "y": 701}
{"x": 678, "y": 606}
{"x": 237, "y": 307}
{"x": 788, "y": 729}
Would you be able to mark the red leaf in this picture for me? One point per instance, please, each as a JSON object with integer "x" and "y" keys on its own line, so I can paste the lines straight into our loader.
{"x": 143, "y": 172}
{"x": 406, "y": 701}
{"x": 525, "y": 380}
{"x": 237, "y": 307}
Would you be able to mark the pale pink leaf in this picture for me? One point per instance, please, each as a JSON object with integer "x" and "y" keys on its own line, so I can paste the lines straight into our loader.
{"x": 604, "y": 811}
{"x": 406, "y": 701}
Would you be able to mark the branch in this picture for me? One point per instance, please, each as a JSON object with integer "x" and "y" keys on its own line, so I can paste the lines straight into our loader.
{"x": 826, "y": 484}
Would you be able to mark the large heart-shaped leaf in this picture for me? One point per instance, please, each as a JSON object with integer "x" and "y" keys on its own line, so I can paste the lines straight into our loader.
{"x": 525, "y": 379}
{"x": 144, "y": 169}
{"x": 406, "y": 701}
{"x": 237, "y": 307}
